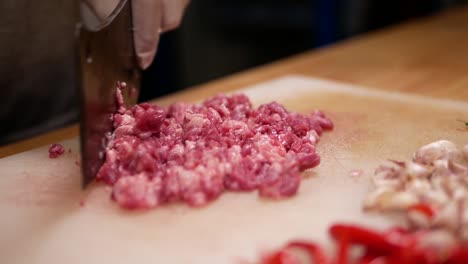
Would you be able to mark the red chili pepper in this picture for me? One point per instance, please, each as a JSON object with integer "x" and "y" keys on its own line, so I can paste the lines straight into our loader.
{"x": 423, "y": 208}
{"x": 280, "y": 257}
{"x": 374, "y": 241}
{"x": 314, "y": 251}
{"x": 395, "y": 246}
{"x": 411, "y": 251}
{"x": 459, "y": 256}
{"x": 368, "y": 258}
{"x": 343, "y": 248}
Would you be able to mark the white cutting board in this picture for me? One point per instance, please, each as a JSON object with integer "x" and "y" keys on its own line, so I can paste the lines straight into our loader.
{"x": 42, "y": 221}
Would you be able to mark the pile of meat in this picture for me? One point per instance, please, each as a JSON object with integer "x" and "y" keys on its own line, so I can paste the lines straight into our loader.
{"x": 192, "y": 153}
{"x": 431, "y": 190}
{"x": 55, "y": 150}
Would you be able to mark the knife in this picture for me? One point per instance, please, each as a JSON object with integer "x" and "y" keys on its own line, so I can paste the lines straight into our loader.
{"x": 106, "y": 56}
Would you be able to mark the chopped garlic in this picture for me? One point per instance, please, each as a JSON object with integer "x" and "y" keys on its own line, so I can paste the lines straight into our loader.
{"x": 437, "y": 176}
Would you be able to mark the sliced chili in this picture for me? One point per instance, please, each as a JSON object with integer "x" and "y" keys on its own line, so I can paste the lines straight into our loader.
{"x": 459, "y": 256}
{"x": 394, "y": 246}
{"x": 283, "y": 256}
{"x": 375, "y": 241}
{"x": 423, "y": 208}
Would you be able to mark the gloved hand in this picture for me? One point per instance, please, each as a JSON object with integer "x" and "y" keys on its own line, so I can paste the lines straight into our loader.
{"x": 150, "y": 19}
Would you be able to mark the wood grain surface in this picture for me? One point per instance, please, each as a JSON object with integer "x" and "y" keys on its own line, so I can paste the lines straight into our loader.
{"x": 427, "y": 57}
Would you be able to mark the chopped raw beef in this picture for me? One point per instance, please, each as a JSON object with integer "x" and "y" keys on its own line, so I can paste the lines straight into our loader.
{"x": 192, "y": 153}
{"x": 55, "y": 150}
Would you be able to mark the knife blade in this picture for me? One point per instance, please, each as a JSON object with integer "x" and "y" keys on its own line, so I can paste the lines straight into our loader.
{"x": 107, "y": 56}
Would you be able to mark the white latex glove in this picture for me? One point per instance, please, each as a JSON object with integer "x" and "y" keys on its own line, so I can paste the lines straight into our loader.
{"x": 150, "y": 19}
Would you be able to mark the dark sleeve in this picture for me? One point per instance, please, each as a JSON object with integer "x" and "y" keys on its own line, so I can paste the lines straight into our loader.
{"x": 37, "y": 67}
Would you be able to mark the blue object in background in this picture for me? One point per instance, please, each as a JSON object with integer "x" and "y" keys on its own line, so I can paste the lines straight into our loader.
{"x": 326, "y": 21}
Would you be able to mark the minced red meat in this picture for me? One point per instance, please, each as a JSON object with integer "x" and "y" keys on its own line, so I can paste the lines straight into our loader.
{"x": 55, "y": 150}
{"x": 192, "y": 153}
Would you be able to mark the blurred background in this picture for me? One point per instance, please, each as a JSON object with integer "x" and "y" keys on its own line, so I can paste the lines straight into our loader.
{"x": 216, "y": 38}
{"x": 221, "y": 37}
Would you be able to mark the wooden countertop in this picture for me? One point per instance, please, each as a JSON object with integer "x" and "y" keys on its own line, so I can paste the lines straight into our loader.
{"x": 427, "y": 57}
